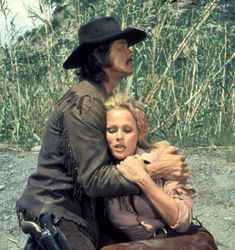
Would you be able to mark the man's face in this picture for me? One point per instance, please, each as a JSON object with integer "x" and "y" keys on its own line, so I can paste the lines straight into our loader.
{"x": 121, "y": 58}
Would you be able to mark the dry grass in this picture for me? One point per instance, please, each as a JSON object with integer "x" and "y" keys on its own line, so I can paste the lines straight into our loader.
{"x": 184, "y": 71}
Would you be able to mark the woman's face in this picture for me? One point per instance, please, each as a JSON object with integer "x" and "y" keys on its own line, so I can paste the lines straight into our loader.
{"x": 121, "y": 133}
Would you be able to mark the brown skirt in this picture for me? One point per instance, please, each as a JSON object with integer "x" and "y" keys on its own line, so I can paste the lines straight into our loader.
{"x": 197, "y": 238}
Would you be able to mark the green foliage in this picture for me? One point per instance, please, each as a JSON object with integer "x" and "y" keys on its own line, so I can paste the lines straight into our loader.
{"x": 184, "y": 70}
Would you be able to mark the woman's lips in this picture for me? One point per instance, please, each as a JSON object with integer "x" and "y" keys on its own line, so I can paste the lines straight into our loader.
{"x": 119, "y": 147}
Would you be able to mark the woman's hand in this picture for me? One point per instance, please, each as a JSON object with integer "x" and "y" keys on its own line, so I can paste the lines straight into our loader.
{"x": 133, "y": 169}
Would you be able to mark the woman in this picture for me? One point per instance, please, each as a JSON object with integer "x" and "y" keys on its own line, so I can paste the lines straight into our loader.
{"x": 163, "y": 206}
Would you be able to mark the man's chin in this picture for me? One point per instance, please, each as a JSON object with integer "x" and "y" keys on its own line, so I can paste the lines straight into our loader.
{"x": 128, "y": 73}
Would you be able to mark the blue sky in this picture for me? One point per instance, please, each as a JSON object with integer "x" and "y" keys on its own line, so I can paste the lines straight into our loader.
{"x": 18, "y": 9}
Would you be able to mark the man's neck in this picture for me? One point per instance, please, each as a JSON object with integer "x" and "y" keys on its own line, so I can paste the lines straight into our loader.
{"x": 110, "y": 84}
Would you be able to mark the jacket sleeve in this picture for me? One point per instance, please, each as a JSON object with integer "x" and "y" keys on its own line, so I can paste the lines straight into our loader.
{"x": 86, "y": 125}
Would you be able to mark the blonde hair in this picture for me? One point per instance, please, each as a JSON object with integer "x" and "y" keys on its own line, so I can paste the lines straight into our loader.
{"x": 136, "y": 108}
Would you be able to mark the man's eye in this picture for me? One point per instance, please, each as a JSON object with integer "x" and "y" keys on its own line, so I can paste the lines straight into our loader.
{"x": 123, "y": 46}
{"x": 111, "y": 130}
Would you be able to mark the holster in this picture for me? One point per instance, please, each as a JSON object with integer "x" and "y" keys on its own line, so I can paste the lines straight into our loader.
{"x": 46, "y": 234}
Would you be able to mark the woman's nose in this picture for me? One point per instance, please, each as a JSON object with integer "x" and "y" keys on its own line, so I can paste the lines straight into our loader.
{"x": 119, "y": 134}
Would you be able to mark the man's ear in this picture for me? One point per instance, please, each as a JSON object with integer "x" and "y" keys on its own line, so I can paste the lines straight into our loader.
{"x": 98, "y": 56}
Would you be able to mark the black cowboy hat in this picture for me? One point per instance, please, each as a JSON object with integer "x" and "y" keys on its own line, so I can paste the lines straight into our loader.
{"x": 102, "y": 30}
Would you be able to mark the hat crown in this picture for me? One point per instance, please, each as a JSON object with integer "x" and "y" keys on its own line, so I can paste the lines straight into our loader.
{"x": 101, "y": 31}
{"x": 98, "y": 29}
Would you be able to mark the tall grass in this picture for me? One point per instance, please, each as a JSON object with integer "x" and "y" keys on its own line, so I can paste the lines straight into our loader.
{"x": 184, "y": 71}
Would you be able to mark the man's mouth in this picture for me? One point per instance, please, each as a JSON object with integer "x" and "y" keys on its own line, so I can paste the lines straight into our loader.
{"x": 129, "y": 61}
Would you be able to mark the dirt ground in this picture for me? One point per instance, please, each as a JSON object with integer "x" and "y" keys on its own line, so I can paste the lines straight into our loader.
{"x": 213, "y": 177}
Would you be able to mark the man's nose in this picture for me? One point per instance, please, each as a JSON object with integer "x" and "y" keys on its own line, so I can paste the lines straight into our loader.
{"x": 130, "y": 52}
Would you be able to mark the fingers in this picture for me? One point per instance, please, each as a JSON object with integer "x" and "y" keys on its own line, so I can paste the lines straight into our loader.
{"x": 182, "y": 166}
{"x": 133, "y": 158}
{"x": 183, "y": 176}
{"x": 180, "y": 172}
{"x": 179, "y": 158}
{"x": 136, "y": 156}
{"x": 171, "y": 150}
{"x": 184, "y": 171}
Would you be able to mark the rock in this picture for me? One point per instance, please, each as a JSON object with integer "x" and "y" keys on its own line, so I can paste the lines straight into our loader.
{"x": 2, "y": 187}
{"x": 36, "y": 149}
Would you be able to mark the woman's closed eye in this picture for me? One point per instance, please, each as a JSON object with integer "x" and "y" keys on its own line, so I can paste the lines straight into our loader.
{"x": 111, "y": 130}
{"x": 127, "y": 129}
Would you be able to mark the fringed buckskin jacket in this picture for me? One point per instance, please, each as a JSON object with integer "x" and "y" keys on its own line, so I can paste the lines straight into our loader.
{"x": 73, "y": 163}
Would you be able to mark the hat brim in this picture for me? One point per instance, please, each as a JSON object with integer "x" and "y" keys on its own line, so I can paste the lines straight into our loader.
{"x": 77, "y": 57}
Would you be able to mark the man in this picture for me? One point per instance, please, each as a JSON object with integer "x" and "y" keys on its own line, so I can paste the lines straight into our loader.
{"x": 73, "y": 164}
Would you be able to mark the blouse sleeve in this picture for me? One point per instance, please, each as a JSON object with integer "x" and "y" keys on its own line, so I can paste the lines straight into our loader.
{"x": 182, "y": 192}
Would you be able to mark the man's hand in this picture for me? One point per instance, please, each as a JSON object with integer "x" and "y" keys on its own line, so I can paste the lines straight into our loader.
{"x": 169, "y": 165}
